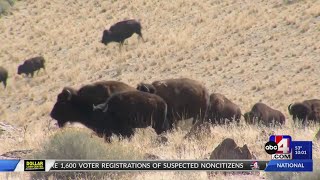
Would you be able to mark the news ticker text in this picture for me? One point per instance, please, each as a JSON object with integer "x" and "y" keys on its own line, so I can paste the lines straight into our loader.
{"x": 182, "y": 165}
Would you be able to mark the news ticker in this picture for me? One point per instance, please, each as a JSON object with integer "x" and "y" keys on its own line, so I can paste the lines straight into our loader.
{"x": 112, "y": 165}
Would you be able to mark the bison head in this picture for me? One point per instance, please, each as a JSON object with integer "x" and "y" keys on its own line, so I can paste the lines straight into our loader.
{"x": 250, "y": 117}
{"x": 315, "y": 113}
{"x": 106, "y": 37}
{"x": 64, "y": 110}
{"x": 149, "y": 88}
{"x": 299, "y": 110}
{"x": 216, "y": 102}
{"x": 20, "y": 69}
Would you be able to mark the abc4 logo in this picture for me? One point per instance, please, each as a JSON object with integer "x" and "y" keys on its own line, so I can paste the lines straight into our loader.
{"x": 282, "y": 147}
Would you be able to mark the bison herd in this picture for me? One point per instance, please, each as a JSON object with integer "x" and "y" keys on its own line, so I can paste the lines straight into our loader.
{"x": 29, "y": 67}
{"x": 112, "y": 107}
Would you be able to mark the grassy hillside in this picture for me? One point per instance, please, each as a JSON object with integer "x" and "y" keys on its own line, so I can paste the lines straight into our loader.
{"x": 249, "y": 51}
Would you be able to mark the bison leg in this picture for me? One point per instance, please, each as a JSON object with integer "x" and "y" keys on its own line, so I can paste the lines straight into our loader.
{"x": 107, "y": 136}
{"x": 4, "y": 83}
{"x": 140, "y": 36}
{"x": 194, "y": 121}
{"x": 127, "y": 132}
{"x": 120, "y": 45}
{"x": 107, "y": 139}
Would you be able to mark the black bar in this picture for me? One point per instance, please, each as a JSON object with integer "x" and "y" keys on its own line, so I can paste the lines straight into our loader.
{"x": 208, "y": 165}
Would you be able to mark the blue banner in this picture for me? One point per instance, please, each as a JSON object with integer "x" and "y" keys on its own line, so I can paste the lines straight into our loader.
{"x": 8, "y": 164}
{"x": 289, "y": 165}
{"x": 301, "y": 149}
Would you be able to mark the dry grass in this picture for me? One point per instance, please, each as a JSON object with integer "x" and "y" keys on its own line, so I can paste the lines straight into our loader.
{"x": 250, "y": 51}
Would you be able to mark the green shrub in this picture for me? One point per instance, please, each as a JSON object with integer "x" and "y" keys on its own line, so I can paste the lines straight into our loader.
{"x": 5, "y": 5}
{"x": 78, "y": 144}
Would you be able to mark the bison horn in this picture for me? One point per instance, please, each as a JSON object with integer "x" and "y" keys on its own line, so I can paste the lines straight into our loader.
{"x": 106, "y": 108}
{"x": 146, "y": 88}
{"x": 289, "y": 108}
{"x": 69, "y": 94}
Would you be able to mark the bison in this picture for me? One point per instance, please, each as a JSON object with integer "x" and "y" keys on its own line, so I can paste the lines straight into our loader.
{"x": 120, "y": 114}
{"x": 31, "y": 65}
{"x": 185, "y": 98}
{"x": 98, "y": 92}
{"x": 120, "y": 31}
{"x": 123, "y": 112}
{"x": 3, "y": 76}
{"x": 306, "y": 110}
{"x": 221, "y": 108}
{"x": 261, "y": 113}
{"x": 76, "y": 105}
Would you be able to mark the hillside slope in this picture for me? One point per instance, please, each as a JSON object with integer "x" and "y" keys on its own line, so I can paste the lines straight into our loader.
{"x": 250, "y": 51}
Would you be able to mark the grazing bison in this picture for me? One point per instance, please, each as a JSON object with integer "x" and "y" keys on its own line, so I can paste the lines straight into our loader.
{"x": 120, "y": 114}
{"x": 221, "y": 108}
{"x": 3, "y": 76}
{"x": 120, "y": 31}
{"x": 76, "y": 105}
{"x": 31, "y": 65}
{"x": 123, "y": 112}
{"x": 261, "y": 113}
{"x": 306, "y": 110}
{"x": 184, "y": 97}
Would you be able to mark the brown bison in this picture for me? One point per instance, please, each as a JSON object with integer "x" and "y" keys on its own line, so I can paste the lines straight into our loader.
{"x": 3, "y": 76}
{"x": 185, "y": 98}
{"x": 76, "y": 105}
{"x": 31, "y": 65}
{"x": 221, "y": 108}
{"x": 306, "y": 110}
{"x": 120, "y": 114}
{"x": 120, "y": 31}
{"x": 98, "y": 92}
{"x": 123, "y": 112}
{"x": 261, "y": 113}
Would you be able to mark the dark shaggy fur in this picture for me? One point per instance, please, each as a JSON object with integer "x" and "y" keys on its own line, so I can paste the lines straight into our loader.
{"x": 124, "y": 105}
{"x": 76, "y": 105}
{"x": 120, "y": 31}
{"x": 120, "y": 114}
{"x": 3, "y": 76}
{"x": 221, "y": 108}
{"x": 31, "y": 65}
{"x": 98, "y": 92}
{"x": 186, "y": 98}
{"x": 261, "y": 113}
{"x": 308, "y": 110}
{"x": 123, "y": 112}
